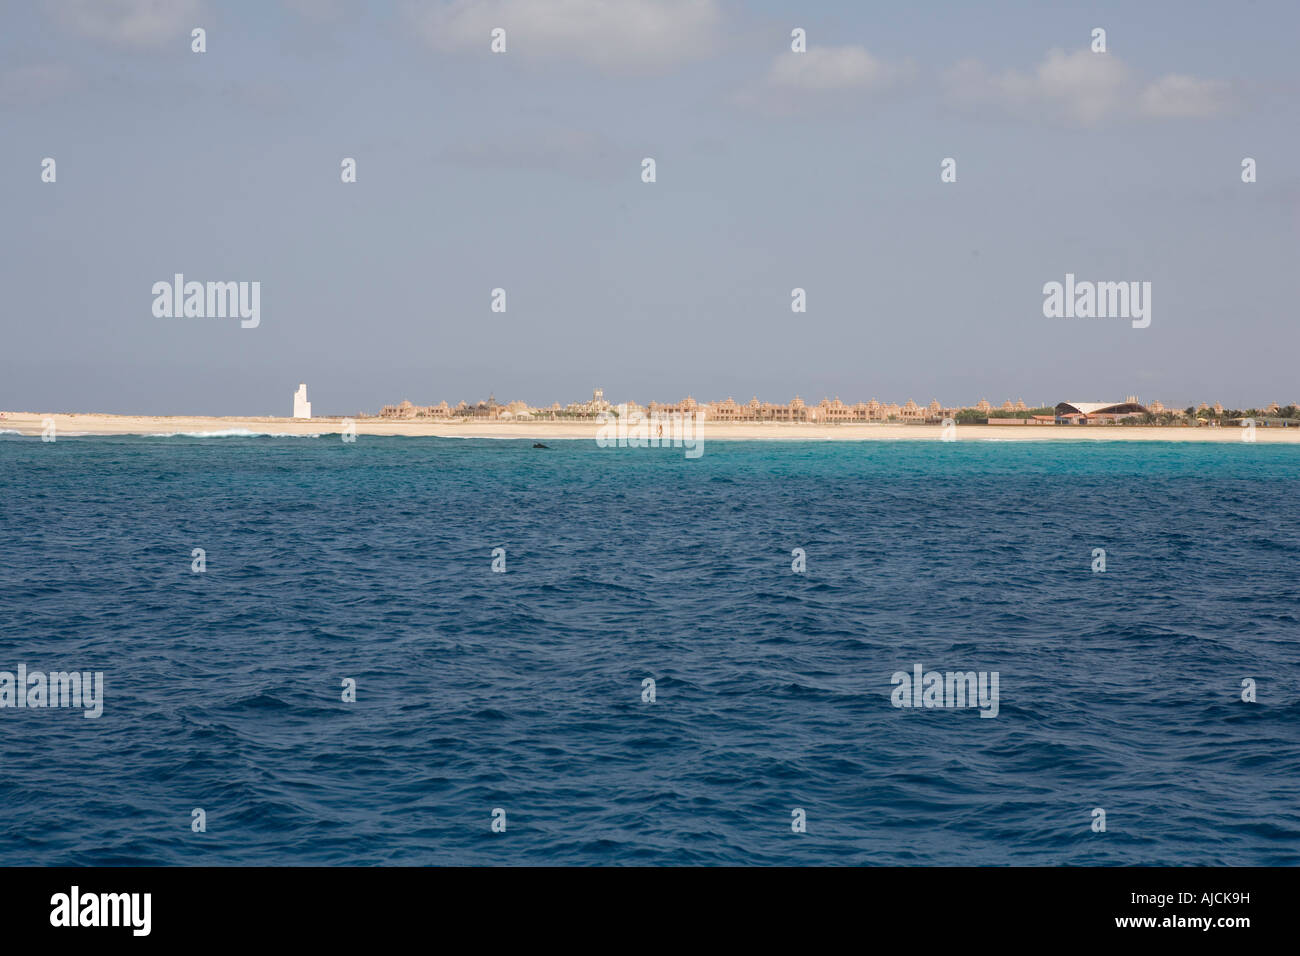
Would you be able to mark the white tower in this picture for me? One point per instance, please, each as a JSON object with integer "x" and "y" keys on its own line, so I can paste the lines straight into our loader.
{"x": 301, "y": 407}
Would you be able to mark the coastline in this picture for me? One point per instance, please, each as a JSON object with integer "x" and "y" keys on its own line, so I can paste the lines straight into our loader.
{"x": 31, "y": 424}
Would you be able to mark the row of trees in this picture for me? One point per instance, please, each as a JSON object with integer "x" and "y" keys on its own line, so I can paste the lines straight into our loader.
{"x": 1290, "y": 411}
{"x": 1190, "y": 415}
{"x": 973, "y": 416}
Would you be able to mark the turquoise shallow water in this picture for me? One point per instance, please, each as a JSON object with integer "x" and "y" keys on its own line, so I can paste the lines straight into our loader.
{"x": 478, "y": 690}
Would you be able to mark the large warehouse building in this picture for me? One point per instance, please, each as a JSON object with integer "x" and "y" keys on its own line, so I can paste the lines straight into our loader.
{"x": 1086, "y": 413}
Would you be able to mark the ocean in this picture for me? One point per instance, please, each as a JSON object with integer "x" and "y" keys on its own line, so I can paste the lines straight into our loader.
{"x": 484, "y": 697}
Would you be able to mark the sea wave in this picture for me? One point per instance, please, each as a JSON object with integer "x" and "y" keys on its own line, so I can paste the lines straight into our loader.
{"x": 227, "y": 682}
{"x": 230, "y": 433}
{"x": 61, "y": 434}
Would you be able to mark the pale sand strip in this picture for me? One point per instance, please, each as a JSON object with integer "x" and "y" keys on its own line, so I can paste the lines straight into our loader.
{"x": 29, "y": 423}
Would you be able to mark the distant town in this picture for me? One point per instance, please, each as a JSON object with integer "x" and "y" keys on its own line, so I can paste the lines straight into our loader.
{"x": 833, "y": 410}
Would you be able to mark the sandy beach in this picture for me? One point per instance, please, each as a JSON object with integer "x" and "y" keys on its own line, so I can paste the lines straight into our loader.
{"x": 71, "y": 425}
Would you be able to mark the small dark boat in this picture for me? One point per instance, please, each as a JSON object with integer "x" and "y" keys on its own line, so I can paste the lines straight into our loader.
{"x": 538, "y": 444}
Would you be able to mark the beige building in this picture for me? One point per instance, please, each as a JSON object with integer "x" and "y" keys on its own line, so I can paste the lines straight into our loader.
{"x": 405, "y": 409}
{"x": 594, "y": 407}
{"x": 826, "y": 411}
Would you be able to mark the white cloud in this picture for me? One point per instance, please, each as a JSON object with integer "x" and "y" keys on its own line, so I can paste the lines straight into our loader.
{"x": 833, "y": 68}
{"x": 614, "y": 35}
{"x": 1085, "y": 88}
{"x": 135, "y": 23}
{"x": 1179, "y": 95}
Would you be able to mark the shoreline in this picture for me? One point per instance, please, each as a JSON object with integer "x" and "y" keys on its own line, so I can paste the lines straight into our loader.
{"x": 31, "y": 424}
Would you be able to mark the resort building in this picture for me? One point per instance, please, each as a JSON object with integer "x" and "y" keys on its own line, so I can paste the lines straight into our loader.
{"x": 727, "y": 411}
{"x": 485, "y": 411}
{"x": 406, "y": 410}
{"x": 687, "y": 406}
{"x": 753, "y": 410}
{"x": 827, "y": 411}
{"x": 833, "y": 411}
{"x": 590, "y": 408}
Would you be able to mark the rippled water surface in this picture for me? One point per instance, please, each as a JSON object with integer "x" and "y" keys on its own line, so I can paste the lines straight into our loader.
{"x": 477, "y": 690}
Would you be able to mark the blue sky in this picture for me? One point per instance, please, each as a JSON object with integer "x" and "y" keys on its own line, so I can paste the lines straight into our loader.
{"x": 522, "y": 171}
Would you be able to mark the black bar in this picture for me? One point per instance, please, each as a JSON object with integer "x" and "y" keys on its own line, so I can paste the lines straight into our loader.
{"x": 653, "y": 907}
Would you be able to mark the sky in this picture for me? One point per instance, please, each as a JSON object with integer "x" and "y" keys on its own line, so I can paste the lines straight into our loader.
{"x": 522, "y": 170}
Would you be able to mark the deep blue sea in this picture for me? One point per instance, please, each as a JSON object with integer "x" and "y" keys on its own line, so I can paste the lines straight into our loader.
{"x": 478, "y": 690}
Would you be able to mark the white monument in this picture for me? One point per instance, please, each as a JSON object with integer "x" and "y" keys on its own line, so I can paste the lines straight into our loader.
{"x": 301, "y": 407}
